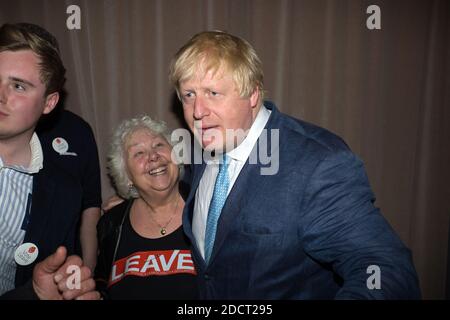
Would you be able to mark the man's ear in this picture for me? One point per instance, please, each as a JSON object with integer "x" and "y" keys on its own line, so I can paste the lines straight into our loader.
{"x": 50, "y": 102}
{"x": 254, "y": 98}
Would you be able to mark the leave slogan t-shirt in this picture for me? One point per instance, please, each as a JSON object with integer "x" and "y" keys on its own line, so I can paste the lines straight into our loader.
{"x": 152, "y": 268}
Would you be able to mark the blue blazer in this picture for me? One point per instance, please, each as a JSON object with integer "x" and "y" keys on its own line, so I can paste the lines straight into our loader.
{"x": 310, "y": 231}
{"x": 54, "y": 215}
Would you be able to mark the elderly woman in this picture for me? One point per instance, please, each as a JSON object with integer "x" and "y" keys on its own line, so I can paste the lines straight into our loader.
{"x": 143, "y": 252}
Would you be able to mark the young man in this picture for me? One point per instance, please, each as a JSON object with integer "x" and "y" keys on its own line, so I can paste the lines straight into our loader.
{"x": 39, "y": 202}
{"x": 306, "y": 228}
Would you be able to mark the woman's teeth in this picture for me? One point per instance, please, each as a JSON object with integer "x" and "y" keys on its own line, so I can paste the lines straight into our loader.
{"x": 158, "y": 171}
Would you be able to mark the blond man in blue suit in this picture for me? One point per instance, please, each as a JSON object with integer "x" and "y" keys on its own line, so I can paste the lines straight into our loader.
{"x": 300, "y": 226}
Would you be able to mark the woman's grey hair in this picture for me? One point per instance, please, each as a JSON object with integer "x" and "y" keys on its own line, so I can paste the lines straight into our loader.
{"x": 116, "y": 162}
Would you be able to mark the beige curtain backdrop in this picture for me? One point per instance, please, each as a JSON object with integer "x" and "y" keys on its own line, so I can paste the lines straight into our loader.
{"x": 386, "y": 92}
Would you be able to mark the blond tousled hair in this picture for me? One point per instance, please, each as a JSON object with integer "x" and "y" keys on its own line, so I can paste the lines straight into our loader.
{"x": 213, "y": 50}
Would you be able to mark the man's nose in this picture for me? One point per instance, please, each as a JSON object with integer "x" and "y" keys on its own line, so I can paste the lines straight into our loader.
{"x": 200, "y": 108}
{"x": 3, "y": 95}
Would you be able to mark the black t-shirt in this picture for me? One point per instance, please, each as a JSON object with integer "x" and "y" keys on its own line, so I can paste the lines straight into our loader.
{"x": 153, "y": 269}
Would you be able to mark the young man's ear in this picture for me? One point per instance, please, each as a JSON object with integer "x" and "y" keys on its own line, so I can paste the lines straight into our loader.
{"x": 50, "y": 102}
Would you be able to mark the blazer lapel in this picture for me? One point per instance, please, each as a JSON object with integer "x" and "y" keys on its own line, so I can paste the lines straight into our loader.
{"x": 40, "y": 212}
{"x": 40, "y": 206}
{"x": 237, "y": 199}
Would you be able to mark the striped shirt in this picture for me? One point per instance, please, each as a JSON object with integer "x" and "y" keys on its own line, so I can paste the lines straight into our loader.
{"x": 16, "y": 185}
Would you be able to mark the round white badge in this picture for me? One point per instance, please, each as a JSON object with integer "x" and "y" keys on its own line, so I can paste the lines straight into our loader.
{"x": 60, "y": 145}
{"x": 26, "y": 253}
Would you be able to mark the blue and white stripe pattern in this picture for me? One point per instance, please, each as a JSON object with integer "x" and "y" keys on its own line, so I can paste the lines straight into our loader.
{"x": 16, "y": 184}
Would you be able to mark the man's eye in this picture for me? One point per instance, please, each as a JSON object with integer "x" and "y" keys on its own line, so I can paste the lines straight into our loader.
{"x": 214, "y": 93}
{"x": 19, "y": 87}
{"x": 138, "y": 154}
{"x": 188, "y": 95}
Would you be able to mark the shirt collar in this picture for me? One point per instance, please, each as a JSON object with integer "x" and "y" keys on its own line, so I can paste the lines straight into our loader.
{"x": 243, "y": 150}
{"x": 37, "y": 158}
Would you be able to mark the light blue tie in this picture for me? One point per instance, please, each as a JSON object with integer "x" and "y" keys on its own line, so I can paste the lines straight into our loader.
{"x": 215, "y": 208}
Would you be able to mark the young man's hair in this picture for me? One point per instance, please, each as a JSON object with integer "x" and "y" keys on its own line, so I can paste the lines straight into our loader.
{"x": 214, "y": 49}
{"x": 27, "y": 36}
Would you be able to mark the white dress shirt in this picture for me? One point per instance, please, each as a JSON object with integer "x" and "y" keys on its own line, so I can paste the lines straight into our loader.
{"x": 238, "y": 156}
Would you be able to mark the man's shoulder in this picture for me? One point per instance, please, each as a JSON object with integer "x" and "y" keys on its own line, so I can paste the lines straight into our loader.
{"x": 75, "y": 121}
{"x": 62, "y": 121}
{"x": 69, "y": 139}
{"x": 298, "y": 131}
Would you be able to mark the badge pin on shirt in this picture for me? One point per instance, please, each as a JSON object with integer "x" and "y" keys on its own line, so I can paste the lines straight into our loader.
{"x": 26, "y": 253}
{"x": 61, "y": 146}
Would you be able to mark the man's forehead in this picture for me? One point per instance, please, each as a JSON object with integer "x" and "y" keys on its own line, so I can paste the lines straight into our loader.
{"x": 21, "y": 62}
{"x": 205, "y": 74}
{"x": 22, "y": 54}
